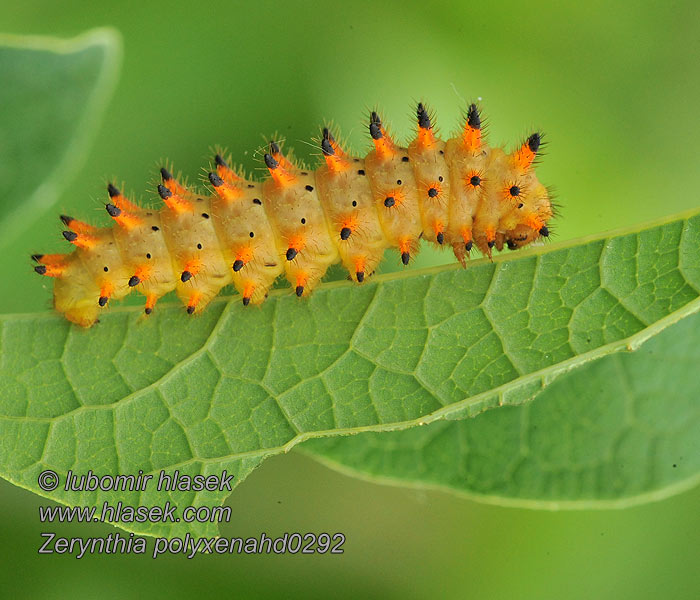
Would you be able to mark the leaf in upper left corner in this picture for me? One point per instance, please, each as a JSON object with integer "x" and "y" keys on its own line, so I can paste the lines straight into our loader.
{"x": 53, "y": 94}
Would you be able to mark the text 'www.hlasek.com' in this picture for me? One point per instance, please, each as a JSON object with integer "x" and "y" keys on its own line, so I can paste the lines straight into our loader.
{"x": 125, "y": 514}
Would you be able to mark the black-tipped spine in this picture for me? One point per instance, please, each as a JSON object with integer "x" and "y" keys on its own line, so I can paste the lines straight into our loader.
{"x": 270, "y": 162}
{"x": 375, "y": 126}
{"x": 113, "y": 191}
{"x": 164, "y": 192}
{"x": 326, "y": 146}
{"x": 534, "y": 142}
{"x": 473, "y": 118}
{"x": 114, "y": 211}
{"x": 423, "y": 117}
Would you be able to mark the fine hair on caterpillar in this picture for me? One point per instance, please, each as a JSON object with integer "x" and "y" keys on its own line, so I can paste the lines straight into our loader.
{"x": 458, "y": 193}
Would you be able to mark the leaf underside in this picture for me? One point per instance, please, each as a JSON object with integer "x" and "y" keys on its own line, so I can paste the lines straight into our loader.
{"x": 235, "y": 385}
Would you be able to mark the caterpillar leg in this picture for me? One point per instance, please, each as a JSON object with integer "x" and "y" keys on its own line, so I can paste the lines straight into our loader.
{"x": 106, "y": 291}
{"x": 360, "y": 267}
{"x": 193, "y": 301}
{"x": 302, "y": 279}
{"x": 151, "y": 300}
{"x": 248, "y": 293}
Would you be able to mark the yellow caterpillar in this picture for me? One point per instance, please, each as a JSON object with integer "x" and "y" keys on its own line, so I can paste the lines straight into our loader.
{"x": 459, "y": 193}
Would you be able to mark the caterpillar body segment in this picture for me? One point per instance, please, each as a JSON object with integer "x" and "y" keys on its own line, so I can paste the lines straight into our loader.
{"x": 458, "y": 193}
{"x": 254, "y": 259}
{"x": 294, "y": 209}
{"x": 351, "y": 213}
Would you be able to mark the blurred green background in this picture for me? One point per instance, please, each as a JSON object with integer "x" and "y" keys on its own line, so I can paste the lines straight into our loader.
{"x": 614, "y": 86}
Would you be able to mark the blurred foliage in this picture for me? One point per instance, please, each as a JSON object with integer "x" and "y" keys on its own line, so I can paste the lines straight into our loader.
{"x": 614, "y": 86}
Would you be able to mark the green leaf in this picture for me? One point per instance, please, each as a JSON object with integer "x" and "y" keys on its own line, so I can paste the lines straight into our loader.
{"x": 235, "y": 385}
{"x": 53, "y": 96}
{"x": 618, "y": 431}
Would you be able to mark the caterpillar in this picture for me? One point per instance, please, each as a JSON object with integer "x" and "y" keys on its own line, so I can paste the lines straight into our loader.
{"x": 458, "y": 193}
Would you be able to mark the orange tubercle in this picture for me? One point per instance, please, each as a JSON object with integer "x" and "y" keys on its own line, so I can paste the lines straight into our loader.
{"x": 120, "y": 200}
{"x": 385, "y": 148}
{"x": 225, "y": 172}
{"x": 245, "y": 254}
{"x": 81, "y": 240}
{"x": 394, "y": 198}
{"x": 193, "y": 266}
{"x": 281, "y": 176}
{"x": 128, "y": 220}
{"x": 426, "y": 137}
{"x": 78, "y": 226}
{"x": 524, "y": 157}
{"x": 534, "y": 222}
{"x": 49, "y": 259}
{"x": 143, "y": 272}
{"x": 174, "y": 201}
{"x": 297, "y": 242}
{"x": 228, "y": 192}
{"x": 175, "y": 187}
{"x": 471, "y": 138}
{"x": 333, "y": 154}
{"x": 51, "y": 265}
{"x": 336, "y": 163}
{"x": 106, "y": 289}
{"x": 350, "y": 222}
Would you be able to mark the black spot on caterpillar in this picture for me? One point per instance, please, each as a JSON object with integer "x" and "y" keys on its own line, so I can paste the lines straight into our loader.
{"x": 459, "y": 193}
